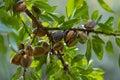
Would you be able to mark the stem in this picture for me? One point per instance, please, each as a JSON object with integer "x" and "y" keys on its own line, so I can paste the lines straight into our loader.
{"x": 91, "y": 31}
{"x": 62, "y": 60}
{"x": 24, "y": 74}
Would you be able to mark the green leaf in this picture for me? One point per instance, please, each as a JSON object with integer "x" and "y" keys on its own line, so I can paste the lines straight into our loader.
{"x": 118, "y": 24}
{"x": 44, "y": 6}
{"x": 77, "y": 59}
{"x": 13, "y": 42}
{"x": 35, "y": 76}
{"x": 46, "y": 18}
{"x": 42, "y": 60}
{"x": 82, "y": 12}
{"x": 118, "y": 41}
{"x": 105, "y": 28}
{"x": 4, "y": 28}
{"x": 98, "y": 48}
{"x": 119, "y": 61}
{"x": 52, "y": 68}
{"x": 3, "y": 48}
{"x": 98, "y": 39}
{"x": 109, "y": 48}
{"x": 88, "y": 50}
{"x": 69, "y": 24}
{"x": 109, "y": 22}
{"x": 78, "y": 3}
{"x": 105, "y": 6}
{"x": 69, "y": 8}
{"x": 17, "y": 74}
{"x": 99, "y": 18}
{"x": 95, "y": 15}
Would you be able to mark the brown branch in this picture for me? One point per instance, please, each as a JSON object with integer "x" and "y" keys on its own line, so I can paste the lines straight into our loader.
{"x": 91, "y": 31}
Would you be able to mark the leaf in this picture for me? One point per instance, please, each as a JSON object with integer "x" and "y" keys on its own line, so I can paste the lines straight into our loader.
{"x": 4, "y": 28}
{"x": 42, "y": 60}
{"x": 119, "y": 61}
{"x": 44, "y": 6}
{"x": 88, "y": 50}
{"x": 105, "y": 6}
{"x": 13, "y": 42}
{"x": 109, "y": 22}
{"x": 17, "y": 73}
{"x": 118, "y": 41}
{"x": 105, "y": 28}
{"x": 78, "y": 3}
{"x": 77, "y": 59}
{"x": 35, "y": 76}
{"x": 109, "y": 48}
{"x": 99, "y": 18}
{"x": 98, "y": 39}
{"x": 98, "y": 48}
{"x": 82, "y": 12}
{"x": 95, "y": 15}
{"x": 52, "y": 68}
{"x": 69, "y": 24}
{"x": 46, "y": 18}
{"x": 69, "y": 8}
{"x": 3, "y": 48}
{"x": 118, "y": 24}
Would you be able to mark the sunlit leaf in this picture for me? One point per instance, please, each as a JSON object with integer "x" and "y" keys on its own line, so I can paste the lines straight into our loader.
{"x": 109, "y": 48}
{"x": 42, "y": 60}
{"x": 95, "y": 15}
{"x": 78, "y": 3}
{"x": 105, "y": 6}
{"x": 88, "y": 50}
{"x": 69, "y": 7}
{"x": 118, "y": 41}
{"x": 69, "y": 24}
{"x": 77, "y": 58}
{"x": 17, "y": 74}
{"x": 82, "y": 12}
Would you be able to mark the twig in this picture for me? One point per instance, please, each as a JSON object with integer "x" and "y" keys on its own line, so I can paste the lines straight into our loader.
{"x": 24, "y": 74}
{"x": 91, "y": 31}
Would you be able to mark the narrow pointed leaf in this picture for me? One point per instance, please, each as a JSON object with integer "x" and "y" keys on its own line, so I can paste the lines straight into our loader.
{"x": 98, "y": 48}
{"x": 118, "y": 24}
{"x": 105, "y": 6}
{"x": 109, "y": 48}
{"x": 17, "y": 74}
{"x": 119, "y": 61}
{"x": 69, "y": 8}
{"x": 95, "y": 15}
{"x": 118, "y": 41}
{"x": 88, "y": 50}
{"x": 69, "y": 24}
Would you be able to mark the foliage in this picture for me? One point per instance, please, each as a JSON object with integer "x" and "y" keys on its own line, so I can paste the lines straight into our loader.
{"x": 16, "y": 25}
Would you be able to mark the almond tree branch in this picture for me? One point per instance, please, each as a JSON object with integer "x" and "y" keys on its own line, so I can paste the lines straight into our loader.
{"x": 90, "y": 31}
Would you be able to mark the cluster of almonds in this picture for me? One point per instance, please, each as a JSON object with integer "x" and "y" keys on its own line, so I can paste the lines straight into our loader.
{"x": 71, "y": 38}
{"x": 24, "y": 55}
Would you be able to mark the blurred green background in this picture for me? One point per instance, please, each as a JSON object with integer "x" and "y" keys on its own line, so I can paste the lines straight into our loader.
{"x": 109, "y": 63}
